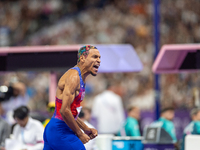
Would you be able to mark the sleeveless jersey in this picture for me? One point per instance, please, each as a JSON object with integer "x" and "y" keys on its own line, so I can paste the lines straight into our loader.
{"x": 75, "y": 106}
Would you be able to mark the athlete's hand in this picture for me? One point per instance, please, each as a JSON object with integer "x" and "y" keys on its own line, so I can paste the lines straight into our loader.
{"x": 84, "y": 138}
{"x": 92, "y": 133}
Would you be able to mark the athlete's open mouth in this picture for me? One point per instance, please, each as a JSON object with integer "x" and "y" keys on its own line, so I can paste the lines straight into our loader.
{"x": 96, "y": 67}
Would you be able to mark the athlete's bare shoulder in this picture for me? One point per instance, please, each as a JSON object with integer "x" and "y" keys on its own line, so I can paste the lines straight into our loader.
{"x": 69, "y": 77}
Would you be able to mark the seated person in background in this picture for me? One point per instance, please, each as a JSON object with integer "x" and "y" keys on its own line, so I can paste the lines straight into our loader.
{"x": 28, "y": 131}
{"x": 91, "y": 145}
{"x": 5, "y": 130}
{"x": 51, "y": 108}
{"x": 165, "y": 121}
{"x": 18, "y": 97}
{"x": 193, "y": 127}
{"x": 131, "y": 126}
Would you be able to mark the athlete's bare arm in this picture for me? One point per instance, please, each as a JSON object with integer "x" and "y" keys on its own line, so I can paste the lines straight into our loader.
{"x": 92, "y": 133}
{"x": 71, "y": 86}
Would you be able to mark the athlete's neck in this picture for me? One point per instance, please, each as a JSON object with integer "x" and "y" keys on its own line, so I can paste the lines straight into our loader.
{"x": 84, "y": 72}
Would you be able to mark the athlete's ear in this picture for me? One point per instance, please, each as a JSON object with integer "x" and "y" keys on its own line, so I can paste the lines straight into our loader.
{"x": 82, "y": 58}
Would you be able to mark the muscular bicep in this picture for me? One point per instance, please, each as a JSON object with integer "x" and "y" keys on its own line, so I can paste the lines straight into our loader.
{"x": 70, "y": 88}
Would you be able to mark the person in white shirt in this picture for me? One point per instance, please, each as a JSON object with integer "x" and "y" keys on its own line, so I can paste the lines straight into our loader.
{"x": 28, "y": 131}
{"x": 108, "y": 110}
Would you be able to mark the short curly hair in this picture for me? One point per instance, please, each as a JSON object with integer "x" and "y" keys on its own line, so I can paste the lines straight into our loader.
{"x": 84, "y": 51}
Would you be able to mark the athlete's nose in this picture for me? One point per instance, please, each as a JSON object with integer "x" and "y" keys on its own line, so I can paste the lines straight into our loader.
{"x": 99, "y": 60}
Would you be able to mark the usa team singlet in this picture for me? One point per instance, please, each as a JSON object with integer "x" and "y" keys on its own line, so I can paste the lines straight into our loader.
{"x": 57, "y": 134}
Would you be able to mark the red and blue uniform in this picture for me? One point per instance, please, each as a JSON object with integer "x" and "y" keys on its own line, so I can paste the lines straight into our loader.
{"x": 57, "y": 134}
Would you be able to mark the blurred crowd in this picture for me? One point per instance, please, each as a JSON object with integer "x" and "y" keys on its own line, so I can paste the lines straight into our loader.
{"x": 180, "y": 24}
{"x": 59, "y": 22}
{"x": 32, "y": 89}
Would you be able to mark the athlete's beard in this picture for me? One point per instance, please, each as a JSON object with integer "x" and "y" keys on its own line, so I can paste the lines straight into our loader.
{"x": 92, "y": 73}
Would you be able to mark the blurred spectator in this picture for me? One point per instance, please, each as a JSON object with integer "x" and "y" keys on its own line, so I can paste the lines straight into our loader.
{"x": 5, "y": 130}
{"x": 28, "y": 131}
{"x": 193, "y": 127}
{"x": 91, "y": 145}
{"x": 165, "y": 122}
{"x": 17, "y": 99}
{"x": 87, "y": 113}
{"x": 131, "y": 126}
{"x": 50, "y": 108}
{"x": 108, "y": 110}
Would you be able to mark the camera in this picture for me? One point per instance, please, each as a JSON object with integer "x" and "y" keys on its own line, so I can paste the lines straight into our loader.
{"x": 5, "y": 92}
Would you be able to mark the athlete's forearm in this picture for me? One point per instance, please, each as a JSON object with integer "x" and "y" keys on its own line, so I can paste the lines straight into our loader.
{"x": 82, "y": 125}
{"x": 70, "y": 121}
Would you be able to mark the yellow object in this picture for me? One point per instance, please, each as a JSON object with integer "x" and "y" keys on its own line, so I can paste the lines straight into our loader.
{"x": 51, "y": 104}
{"x": 51, "y": 108}
{"x": 45, "y": 122}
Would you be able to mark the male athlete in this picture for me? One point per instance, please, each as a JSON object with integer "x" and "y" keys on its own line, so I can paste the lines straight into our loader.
{"x": 63, "y": 132}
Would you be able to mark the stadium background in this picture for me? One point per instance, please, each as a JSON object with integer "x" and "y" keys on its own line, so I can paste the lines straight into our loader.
{"x": 59, "y": 22}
